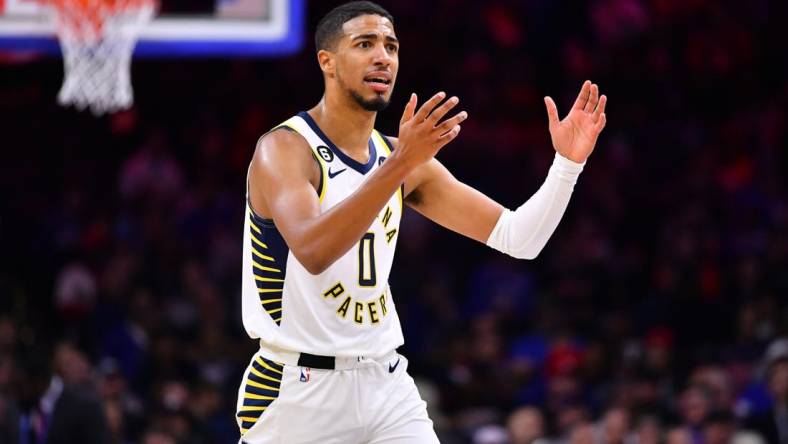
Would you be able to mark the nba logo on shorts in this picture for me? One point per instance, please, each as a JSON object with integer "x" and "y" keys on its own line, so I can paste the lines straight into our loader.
{"x": 305, "y": 374}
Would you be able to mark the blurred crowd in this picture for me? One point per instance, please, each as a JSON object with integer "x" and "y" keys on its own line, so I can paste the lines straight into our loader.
{"x": 657, "y": 313}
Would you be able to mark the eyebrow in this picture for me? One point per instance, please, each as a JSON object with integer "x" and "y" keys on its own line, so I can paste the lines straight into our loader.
{"x": 375, "y": 37}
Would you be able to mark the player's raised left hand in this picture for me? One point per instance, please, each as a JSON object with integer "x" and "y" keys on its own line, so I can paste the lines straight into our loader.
{"x": 575, "y": 136}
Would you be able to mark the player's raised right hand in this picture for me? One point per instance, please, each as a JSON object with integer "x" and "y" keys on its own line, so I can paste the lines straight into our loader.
{"x": 422, "y": 134}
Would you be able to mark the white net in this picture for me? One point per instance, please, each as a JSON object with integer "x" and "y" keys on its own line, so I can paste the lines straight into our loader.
{"x": 97, "y": 38}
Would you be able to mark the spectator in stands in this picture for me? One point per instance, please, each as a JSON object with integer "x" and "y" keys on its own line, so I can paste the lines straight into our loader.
{"x": 59, "y": 407}
{"x": 526, "y": 426}
{"x": 773, "y": 424}
{"x": 614, "y": 427}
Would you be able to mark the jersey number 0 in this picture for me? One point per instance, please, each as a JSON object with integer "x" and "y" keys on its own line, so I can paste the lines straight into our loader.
{"x": 367, "y": 276}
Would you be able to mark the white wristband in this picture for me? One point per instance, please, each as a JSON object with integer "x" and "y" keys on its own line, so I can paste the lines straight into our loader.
{"x": 524, "y": 232}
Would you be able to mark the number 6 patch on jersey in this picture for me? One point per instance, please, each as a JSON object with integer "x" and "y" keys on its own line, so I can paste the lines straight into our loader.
{"x": 325, "y": 153}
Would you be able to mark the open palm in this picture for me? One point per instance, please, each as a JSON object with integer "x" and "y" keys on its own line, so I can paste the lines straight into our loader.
{"x": 576, "y": 135}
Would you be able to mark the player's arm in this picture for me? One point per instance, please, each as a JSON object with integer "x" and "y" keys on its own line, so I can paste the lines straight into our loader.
{"x": 280, "y": 174}
{"x": 436, "y": 193}
{"x": 522, "y": 233}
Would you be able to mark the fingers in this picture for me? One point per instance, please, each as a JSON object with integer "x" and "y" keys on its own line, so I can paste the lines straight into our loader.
{"x": 600, "y": 110}
{"x": 449, "y": 136}
{"x": 593, "y": 99}
{"x": 441, "y": 111}
{"x": 410, "y": 108}
{"x": 552, "y": 112}
{"x": 582, "y": 98}
{"x": 600, "y": 124}
{"x": 427, "y": 107}
{"x": 451, "y": 122}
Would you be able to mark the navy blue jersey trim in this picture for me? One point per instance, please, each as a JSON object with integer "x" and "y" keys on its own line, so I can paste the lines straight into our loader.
{"x": 269, "y": 265}
{"x": 321, "y": 184}
{"x": 259, "y": 392}
{"x": 388, "y": 143}
{"x": 349, "y": 161}
{"x": 268, "y": 223}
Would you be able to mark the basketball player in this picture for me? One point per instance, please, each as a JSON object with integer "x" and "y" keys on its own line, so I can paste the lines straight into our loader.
{"x": 325, "y": 198}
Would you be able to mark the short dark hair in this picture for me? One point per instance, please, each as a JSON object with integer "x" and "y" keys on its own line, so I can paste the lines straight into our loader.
{"x": 330, "y": 26}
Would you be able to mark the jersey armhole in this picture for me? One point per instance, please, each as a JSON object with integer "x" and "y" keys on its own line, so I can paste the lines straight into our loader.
{"x": 322, "y": 183}
{"x": 320, "y": 186}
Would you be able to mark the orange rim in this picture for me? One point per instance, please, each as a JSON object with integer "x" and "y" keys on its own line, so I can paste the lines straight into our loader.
{"x": 88, "y": 16}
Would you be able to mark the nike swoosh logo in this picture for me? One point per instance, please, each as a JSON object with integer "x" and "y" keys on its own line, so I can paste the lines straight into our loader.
{"x": 332, "y": 175}
{"x": 394, "y": 367}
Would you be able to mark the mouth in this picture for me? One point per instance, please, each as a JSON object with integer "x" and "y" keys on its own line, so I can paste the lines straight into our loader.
{"x": 379, "y": 81}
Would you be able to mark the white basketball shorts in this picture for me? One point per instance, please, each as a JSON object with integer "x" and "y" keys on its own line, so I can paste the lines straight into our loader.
{"x": 362, "y": 401}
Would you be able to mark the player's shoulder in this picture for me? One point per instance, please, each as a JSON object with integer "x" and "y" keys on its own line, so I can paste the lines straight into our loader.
{"x": 283, "y": 151}
{"x": 282, "y": 142}
{"x": 281, "y": 136}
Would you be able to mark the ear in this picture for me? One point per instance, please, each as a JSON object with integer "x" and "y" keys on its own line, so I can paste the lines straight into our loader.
{"x": 326, "y": 61}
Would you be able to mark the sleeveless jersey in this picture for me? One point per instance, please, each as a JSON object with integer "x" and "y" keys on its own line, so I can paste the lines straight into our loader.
{"x": 347, "y": 310}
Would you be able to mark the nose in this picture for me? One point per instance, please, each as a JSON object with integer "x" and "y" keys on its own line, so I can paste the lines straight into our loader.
{"x": 381, "y": 57}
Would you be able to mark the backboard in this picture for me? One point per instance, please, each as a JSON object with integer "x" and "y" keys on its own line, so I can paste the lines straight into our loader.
{"x": 182, "y": 28}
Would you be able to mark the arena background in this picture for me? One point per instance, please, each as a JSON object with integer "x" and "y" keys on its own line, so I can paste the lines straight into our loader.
{"x": 654, "y": 313}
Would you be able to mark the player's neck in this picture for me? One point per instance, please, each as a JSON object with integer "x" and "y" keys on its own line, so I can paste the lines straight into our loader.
{"x": 348, "y": 126}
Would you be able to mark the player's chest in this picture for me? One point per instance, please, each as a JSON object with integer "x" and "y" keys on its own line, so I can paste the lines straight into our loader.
{"x": 342, "y": 181}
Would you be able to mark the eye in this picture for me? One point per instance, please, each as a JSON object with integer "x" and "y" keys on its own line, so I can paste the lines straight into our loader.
{"x": 392, "y": 47}
{"x": 365, "y": 44}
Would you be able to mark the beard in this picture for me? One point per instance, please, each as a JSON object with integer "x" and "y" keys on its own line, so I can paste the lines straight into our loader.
{"x": 377, "y": 104}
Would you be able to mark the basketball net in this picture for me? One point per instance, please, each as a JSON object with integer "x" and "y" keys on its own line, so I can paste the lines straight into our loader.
{"x": 97, "y": 38}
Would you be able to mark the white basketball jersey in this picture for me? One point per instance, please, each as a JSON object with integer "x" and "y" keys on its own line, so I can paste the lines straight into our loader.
{"x": 347, "y": 310}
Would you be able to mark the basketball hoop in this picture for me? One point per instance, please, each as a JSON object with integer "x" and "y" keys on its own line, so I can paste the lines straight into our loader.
{"x": 97, "y": 38}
